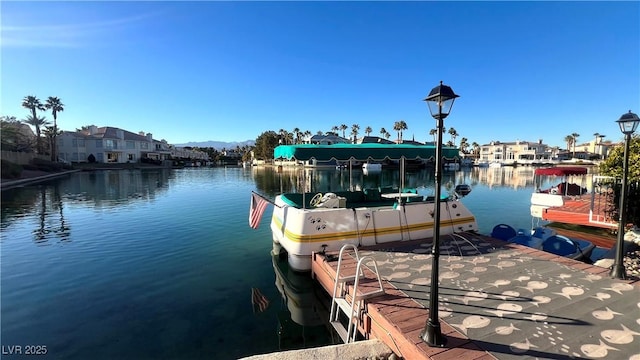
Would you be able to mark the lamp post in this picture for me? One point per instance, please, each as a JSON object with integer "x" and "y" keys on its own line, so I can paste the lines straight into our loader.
{"x": 440, "y": 101}
{"x": 628, "y": 123}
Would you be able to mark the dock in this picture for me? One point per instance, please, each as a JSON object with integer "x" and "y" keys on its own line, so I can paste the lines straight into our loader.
{"x": 496, "y": 301}
{"x": 579, "y": 210}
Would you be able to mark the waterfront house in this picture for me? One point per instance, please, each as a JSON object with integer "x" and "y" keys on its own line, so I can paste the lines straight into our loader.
{"x": 595, "y": 149}
{"x": 328, "y": 139}
{"x": 187, "y": 154}
{"x": 517, "y": 152}
{"x": 113, "y": 145}
{"x": 373, "y": 140}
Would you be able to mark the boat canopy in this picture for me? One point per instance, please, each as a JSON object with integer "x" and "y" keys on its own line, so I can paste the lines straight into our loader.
{"x": 562, "y": 171}
{"x": 361, "y": 152}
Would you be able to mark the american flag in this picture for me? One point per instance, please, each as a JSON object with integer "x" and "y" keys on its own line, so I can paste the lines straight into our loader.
{"x": 258, "y": 205}
{"x": 259, "y": 301}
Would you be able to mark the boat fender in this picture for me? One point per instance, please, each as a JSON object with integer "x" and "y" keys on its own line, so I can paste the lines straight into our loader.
{"x": 553, "y": 191}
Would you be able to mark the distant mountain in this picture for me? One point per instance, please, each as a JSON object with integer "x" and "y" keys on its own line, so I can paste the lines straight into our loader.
{"x": 218, "y": 145}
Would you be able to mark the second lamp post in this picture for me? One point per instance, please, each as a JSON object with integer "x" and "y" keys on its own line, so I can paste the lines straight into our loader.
{"x": 628, "y": 124}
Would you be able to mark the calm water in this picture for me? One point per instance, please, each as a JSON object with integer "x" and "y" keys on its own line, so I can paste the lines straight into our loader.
{"x": 161, "y": 263}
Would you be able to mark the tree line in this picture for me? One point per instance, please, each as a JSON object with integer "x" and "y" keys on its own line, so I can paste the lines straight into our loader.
{"x": 268, "y": 140}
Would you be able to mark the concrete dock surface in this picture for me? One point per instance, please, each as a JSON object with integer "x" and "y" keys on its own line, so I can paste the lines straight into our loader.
{"x": 360, "y": 350}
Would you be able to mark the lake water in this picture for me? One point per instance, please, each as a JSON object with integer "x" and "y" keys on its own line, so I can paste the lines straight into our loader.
{"x": 160, "y": 263}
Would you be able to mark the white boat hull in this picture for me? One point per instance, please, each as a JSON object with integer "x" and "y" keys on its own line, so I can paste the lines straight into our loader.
{"x": 542, "y": 201}
{"x": 304, "y": 231}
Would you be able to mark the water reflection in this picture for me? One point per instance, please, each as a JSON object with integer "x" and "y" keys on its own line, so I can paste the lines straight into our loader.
{"x": 52, "y": 224}
{"x": 272, "y": 181}
{"x": 120, "y": 188}
{"x": 114, "y": 187}
{"x": 100, "y": 189}
{"x": 303, "y": 318}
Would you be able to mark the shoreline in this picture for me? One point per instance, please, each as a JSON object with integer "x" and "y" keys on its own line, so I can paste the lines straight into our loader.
{"x": 32, "y": 177}
{"x": 35, "y": 176}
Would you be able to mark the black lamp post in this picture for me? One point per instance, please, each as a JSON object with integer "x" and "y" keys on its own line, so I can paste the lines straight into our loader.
{"x": 628, "y": 124}
{"x": 440, "y": 101}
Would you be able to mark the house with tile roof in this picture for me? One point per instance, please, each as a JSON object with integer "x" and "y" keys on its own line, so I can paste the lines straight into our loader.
{"x": 516, "y": 152}
{"x": 113, "y": 145}
{"x": 328, "y": 139}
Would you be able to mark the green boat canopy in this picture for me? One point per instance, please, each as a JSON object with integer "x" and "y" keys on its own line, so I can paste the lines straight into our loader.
{"x": 361, "y": 152}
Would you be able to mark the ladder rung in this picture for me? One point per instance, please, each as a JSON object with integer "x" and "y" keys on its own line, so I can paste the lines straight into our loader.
{"x": 345, "y": 306}
{"x": 340, "y": 329}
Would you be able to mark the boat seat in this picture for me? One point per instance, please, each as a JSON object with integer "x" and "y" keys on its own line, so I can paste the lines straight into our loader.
{"x": 570, "y": 189}
{"x": 574, "y": 249}
{"x": 503, "y": 232}
{"x": 560, "y": 245}
{"x": 352, "y": 197}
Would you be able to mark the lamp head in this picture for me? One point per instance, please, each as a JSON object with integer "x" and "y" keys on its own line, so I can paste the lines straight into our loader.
{"x": 440, "y": 101}
{"x": 628, "y": 123}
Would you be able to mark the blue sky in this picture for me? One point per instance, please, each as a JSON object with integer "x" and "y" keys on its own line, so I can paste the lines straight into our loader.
{"x": 228, "y": 71}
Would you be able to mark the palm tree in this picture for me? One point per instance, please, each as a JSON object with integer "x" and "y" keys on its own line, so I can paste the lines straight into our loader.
{"x": 575, "y": 137}
{"x": 55, "y": 105}
{"x": 335, "y": 129}
{"x": 433, "y": 133}
{"x": 282, "y": 135}
{"x": 33, "y": 104}
{"x": 354, "y": 131}
{"x": 568, "y": 140}
{"x": 464, "y": 144}
{"x": 307, "y": 135}
{"x": 343, "y": 127}
{"x": 476, "y": 148}
{"x": 453, "y": 134}
{"x": 387, "y": 134}
{"x": 383, "y": 132}
{"x": 296, "y": 132}
{"x": 368, "y": 130}
{"x": 36, "y": 122}
{"x": 400, "y": 126}
{"x": 50, "y": 132}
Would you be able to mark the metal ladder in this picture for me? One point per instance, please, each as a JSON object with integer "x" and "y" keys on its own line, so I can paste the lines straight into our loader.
{"x": 352, "y": 309}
